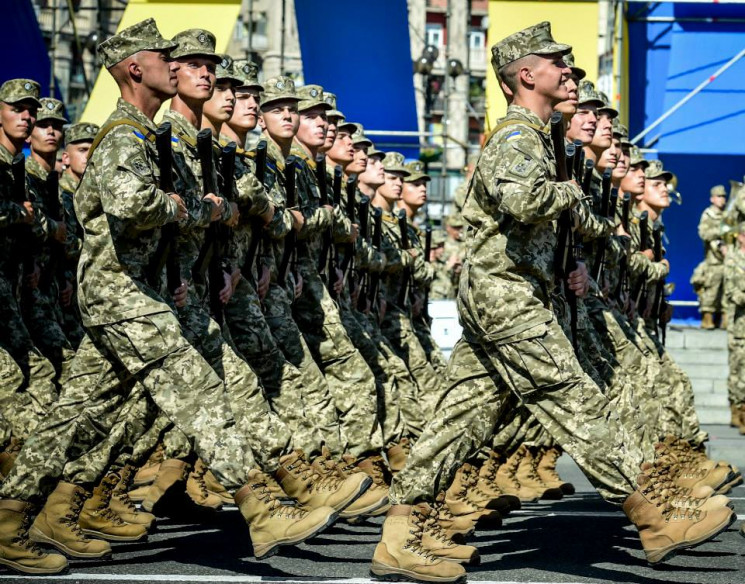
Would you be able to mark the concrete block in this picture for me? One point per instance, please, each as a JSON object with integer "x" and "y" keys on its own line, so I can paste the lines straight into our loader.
{"x": 702, "y": 386}
{"x": 703, "y": 371}
{"x": 711, "y": 400}
{"x": 720, "y": 386}
{"x": 713, "y": 415}
{"x": 698, "y": 339}
{"x": 699, "y": 356}
{"x": 675, "y": 339}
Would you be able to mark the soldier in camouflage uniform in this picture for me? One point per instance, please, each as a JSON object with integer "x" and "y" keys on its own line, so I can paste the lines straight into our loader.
{"x": 41, "y": 307}
{"x": 518, "y": 346}
{"x": 442, "y": 285}
{"x": 133, "y": 334}
{"x": 20, "y": 223}
{"x": 78, "y": 140}
{"x": 734, "y": 288}
{"x": 710, "y": 271}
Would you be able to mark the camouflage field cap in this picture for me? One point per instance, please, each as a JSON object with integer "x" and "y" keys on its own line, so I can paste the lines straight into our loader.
{"x": 718, "y": 191}
{"x": 534, "y": 40}
{"x": 248, "y": 71}
{"x": 569, "y": 61}
{"x": 311, "y": 96}
{"x": 17, "y": 90}
{"x": 143, "y": 36}
{"x": 621, "y": 132}
{"x": 439, "y": 237}
{"x": 636, "y": 157}
{"x": 225, "y": 71}
{"x": 330, "y": 98}
{"x": 344, "y": 126}
{"x": 607, "y": 109}
{"x": 51, "y": 109}
{"x": 81, "y": 132}
{"x": 588, "y": 94}
{"x": 195, "y": 42}
{"x": 278, "y": 89}
{"x": 394, "y": 162}
{"x": 454, "y": 220}
{"x": 416, "y": 168}
{"x": 359, "y": 139}
{"x": 656, "y": 171}
{"x": 373, "y": 152}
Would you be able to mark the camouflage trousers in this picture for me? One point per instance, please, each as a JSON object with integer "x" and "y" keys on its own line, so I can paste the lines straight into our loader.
{"x": 42, "y": 319}
{"x": 397, "y": 328}
{"x": 152, "y": 351}
{"x": 350, "y": 379}
{"x": 736, "y": 379}
{"x": 434, "y": 354}
{"x": 540, "y": 369}
{"x": 284, "y": 382}
{"x": 5, "y": 432}
{"x": 71, "y": 321}
{"x": 313, "y": 399}
{"x": 26, "y": 405}
{"x": 710, "y": 295}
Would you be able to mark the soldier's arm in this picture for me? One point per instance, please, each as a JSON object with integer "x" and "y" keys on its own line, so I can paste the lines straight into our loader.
{"x": 592, "y": 226}
{"x": 342, "y": 226}
{"x": 128, "y": 186}
{"x": 317, "y": 220}
{"x": 518, "y": 179}
{"x": 709, "y": 228}
{"x": 251, "y": 195}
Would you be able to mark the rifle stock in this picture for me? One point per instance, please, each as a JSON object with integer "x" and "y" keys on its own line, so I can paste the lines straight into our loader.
{"x": 257, "y": 226}
{"x": 403, "y": 229}
{"x": 291, "y": 201}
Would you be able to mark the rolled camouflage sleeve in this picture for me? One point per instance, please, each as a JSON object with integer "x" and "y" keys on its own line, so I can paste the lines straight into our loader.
{"x": 592, "y": 226}
{"x": 709, "y": 228}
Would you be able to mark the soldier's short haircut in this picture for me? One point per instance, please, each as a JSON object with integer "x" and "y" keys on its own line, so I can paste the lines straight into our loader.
{"x": 509, "y": 73}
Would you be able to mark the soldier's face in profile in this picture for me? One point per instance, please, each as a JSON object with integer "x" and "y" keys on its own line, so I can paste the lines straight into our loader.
{"x": 392, "y": 186}
{"x": 569, "y": 106}
{"x": 281, "y": 119}
{"x": 604, "y": 131}
{"x": 313, "y": 127}
{"x": 46, "y": 136}
{"x": 583, "y": 124}
{"x": 609, "y": 157}
{"x": 75, "y": 157}
{"x": 331, "y": 132}
{"x": 414, "y": 194}
{"x": 246, "y": 113}
{"x": 196, "y": 77}
{"x": 719, "y": 201}
{"x": 656, "y": 194}
{"x": 550, "y": 75}
{"x": 374, "y": 174}
{"x": 343, "y": 149}
{"x": 17, "y": 119}
{"x": 220, "y": 106}
{"x": 634, "y": 181}
{"x": 622, "y": 165}
{"x": 158, "y": 72}
{"x": 359, "y": 161}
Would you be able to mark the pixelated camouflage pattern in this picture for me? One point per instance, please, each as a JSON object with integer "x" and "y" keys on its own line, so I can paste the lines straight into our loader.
{"x": 195, "y": 41}
{"x": 15, "y": 90}
{"x": 51, "y": 109}
{"x": 534, "y": 40}
{"x": 142, "y": 36}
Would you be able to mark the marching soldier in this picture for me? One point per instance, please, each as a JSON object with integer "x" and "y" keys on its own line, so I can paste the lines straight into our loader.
{"x": 708, "y": 277}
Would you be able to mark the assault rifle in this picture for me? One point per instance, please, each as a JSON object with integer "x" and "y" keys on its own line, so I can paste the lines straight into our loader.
{"x": 638, "y": 293}
{"x": 347, "y": 264}
{"x": 623, "y": 272}
{"x": 659, "y": 307}
{"x": 333, "y": 253}
{"x": 55, "y": 269}
{"x": 365, "y": 236}
{"x": 604, "y": 211}
{"x": 403, "y": 229}
{"x": 18, "y": 195}
{"x": 165, "y": 254}
{"x": 377, "y": 239}
{"x": 288, "y": 254}
{"x": 564, "y": 261}
{"x": 327, "y": 238}
{"x": 427, "y": 251}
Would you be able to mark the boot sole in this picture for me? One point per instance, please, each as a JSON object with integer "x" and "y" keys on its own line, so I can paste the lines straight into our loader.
{"x": 33, "y": 571}
{"x": 727, "y": 487}
{"x": 117, "y": 538}
{"x": 366, "y": 511}
{"x": 262, "y": 552}
{"x": 664, "y": 554}
{"x": 39, "y": 537}
{"x": 364, "y": 485}
{"x": 392, "y": 574}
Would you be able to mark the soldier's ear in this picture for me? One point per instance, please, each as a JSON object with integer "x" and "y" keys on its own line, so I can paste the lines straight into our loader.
{"x": 135, "y": 70}
{"x": 65, "y": 159}
{"x": 262, "y": 125}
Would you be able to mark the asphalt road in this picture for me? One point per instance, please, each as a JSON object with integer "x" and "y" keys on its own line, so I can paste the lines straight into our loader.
{"x": 578, "y": 539}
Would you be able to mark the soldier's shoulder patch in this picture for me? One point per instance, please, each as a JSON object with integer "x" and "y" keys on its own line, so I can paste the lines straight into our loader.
{"x": 140, "y": 166}
{"x": 523, "y": 166}
{"x": 513, "y": 135}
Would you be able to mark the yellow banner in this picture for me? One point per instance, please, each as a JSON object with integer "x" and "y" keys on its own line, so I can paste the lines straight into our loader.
{"x": 574, "y": 23}
{"x": 172, "y": 16}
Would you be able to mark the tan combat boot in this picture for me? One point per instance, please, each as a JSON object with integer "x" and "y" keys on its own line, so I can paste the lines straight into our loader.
{"x": 401, "y": 554}
{"x": 215, "y": 488}
{"x": 723, "y": 321}
{"x": 707, "y": 321}
{"x": 99, "y": 520}
{"x": 487, "y": 482}
{"x": 168, "y": 492}
{"x": 528, "y": 477}
{"x": 664, "y": 530}
{"x": 463, "y": 496}
{"x": 372, "y": 501}
{"x": 661, "y": 488}
{"x": 196, "y": 488}
{"x": 302, "y": 482}
{"x": 57, "y": 524}
{"x": 456, "y": 528}
{"x": 17, "y": 551}
{"x": 273, "y": 524}
{"x": 122, "y": 504}
{"x": 436, "y": 540}
{"x": 546, "y": 469}
{"x": 8, "y": 457}
{"x": 146, "y": 475}
{"x": 397, "y": 455}
{"x": 507, "y": 479}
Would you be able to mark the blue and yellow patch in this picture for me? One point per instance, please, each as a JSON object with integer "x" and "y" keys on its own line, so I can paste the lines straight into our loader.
{"x": 513, "y": 135}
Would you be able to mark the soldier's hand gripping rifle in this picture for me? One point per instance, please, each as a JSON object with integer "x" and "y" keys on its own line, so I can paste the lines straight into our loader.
{"x": 377, "y": 240}
{"x": 333, "y": 254}
{"x": 564, "y": 261}
{"x": 55, "y": 269}
{"x": 23, "y": 231}
{"x": 364, "y": 274}
{"x": 165, "y": 254}
{"x": 403, "y": 229}
{"x": 659, "y": 307}
{"x": 257, "y": 225}
{"x": 288, "y": 253}
{"x": 327, "y": 237}
{"x": 607, "y": 211}
{"x": 623, "y": 272}
{"x": 638, "y": 294}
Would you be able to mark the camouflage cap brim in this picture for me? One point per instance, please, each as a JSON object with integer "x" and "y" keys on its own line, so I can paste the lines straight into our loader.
{"x": 142, "y": 36}
{"x": 20, "y": 90}
{"x": 413, "y": 177}
{"x": 374, "y": 152}
{"x": 612, "y": 113}
{"x": 580, "y": 73}
{"x": 345, "y": 126}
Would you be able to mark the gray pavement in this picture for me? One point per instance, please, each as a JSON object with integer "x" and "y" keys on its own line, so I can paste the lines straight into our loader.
{"x": 578, "y": 539}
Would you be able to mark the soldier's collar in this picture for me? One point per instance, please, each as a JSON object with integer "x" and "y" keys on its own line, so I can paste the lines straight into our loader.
{"x": 529, "y": 116}
{"x": 133, "y": 112}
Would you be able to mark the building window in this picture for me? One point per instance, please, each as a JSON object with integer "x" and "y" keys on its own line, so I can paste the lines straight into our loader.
{"x": 476, "y": 39}
{"x": 435, "y": 35}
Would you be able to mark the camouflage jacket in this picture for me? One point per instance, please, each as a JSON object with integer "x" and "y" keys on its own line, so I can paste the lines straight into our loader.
{"x": 511, "y": 208}
{"x": 710, "y": 232}
{"x": 74, "y": 243}
{"x": 44, "y": 244}
{"x": 734, "y": 289}
{"x": 122, "y": 211}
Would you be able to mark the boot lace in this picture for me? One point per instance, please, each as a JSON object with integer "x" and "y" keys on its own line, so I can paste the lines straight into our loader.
{"x": 316, "y": 482}
{"x": 121, "y": 491}
{"x": 71, "y": 519}
{"x": 198, "y": 475}
{"x": 436, "y": 531}
{"x": 274, "y": 506}
{"x": 416, "y": 530}
{"x": 21, "y": 538}
{"x": 678, "y": 513}
{"x": 551, "y": 456}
